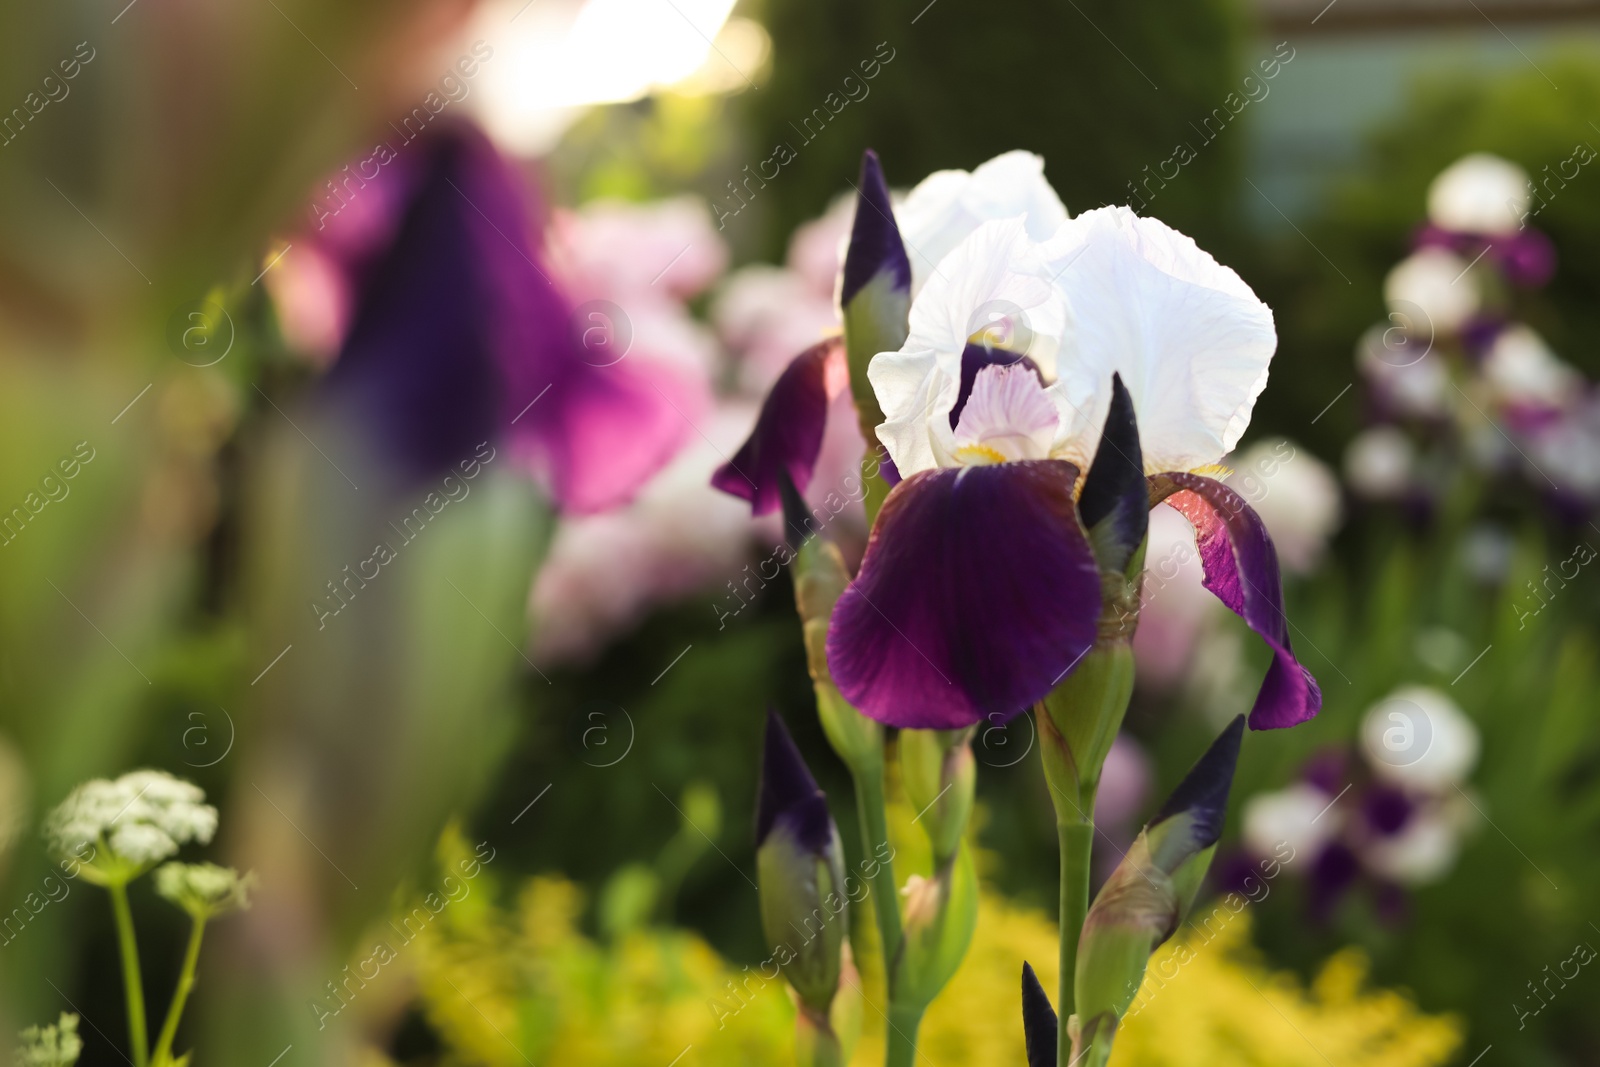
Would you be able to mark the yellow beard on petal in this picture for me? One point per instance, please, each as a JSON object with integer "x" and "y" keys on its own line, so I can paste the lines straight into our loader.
{"x": 979, "y": 455}
{"x": 1213, "y": 470}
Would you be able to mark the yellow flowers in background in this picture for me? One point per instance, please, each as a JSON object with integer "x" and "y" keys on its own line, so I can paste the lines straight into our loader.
{"x": 1221, "y": 1006}
{"x": 504, "y": 986}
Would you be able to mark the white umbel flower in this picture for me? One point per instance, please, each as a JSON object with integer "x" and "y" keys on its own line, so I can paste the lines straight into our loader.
{"x": 118, "y": 829}
{"x": 204, "y": 890}
{"x": 51, "y": 1046}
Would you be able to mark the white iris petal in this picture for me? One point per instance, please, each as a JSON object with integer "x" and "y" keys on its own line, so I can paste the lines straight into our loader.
{"x": 1190, "y": 339}
{"x": 948, "y": 205}
{"x": 1008, "y": 417}
{"x": 995, "y": 271}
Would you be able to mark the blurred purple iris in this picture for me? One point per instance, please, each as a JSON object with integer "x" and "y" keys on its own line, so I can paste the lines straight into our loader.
{"x": 460, "y": 334}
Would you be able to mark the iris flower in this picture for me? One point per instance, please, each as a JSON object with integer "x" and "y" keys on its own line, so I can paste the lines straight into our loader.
{"x": 460, "y": 334}
{"x": 1050, "y": 389}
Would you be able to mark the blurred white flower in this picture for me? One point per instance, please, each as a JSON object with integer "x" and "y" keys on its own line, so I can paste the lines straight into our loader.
{"x": 1379, "y": 462}
{"x": 204, "y": 890}
{"x": 1486, "y": 553}
{"x": 1437, "y": 283}
{"x": 1568, "y": 452}
{"x": 130, "y": 824}
{"x": 57, "y": 1045}
{"x": 1521, "y": 369}
{"x": 1301, "y": 816}
{"x": 1423, "y": 851}
{"x": 1418, "y": 738}
{"x": 1479, "y": 193}
{"x": 1401, "y": 373}
{"x": 1296, "y": 495}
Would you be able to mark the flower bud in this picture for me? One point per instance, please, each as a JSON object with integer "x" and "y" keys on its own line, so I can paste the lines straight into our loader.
{"x": 1146, "y": 897}
{"x": 1115, "y": 502}
{"x": 1039, "y": 1022}
{"x": 940, "y": 776}
{"x": 820, "y": 576}
{"x": 875, "y": 291}
{"x": 204, "y": 890}
{"x": 941, "y": 914}
{"x": 1080, "y": 724}
{"x": 800, "y": 867}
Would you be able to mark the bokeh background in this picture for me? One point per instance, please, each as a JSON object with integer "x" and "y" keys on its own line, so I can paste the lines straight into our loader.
{"x": 578, "y": 691}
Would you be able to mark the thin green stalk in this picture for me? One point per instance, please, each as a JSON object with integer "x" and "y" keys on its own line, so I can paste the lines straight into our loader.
{"x": 874, "y": 833}
{"x": 132, "y": 984}
{"x": 180, "y": 996}
{"x": 1076, "y": 840}
{"x": 904, "y": 1019}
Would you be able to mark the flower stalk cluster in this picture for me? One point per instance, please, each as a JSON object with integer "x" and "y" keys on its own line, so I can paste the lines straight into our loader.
{"x": 118, "y": 831}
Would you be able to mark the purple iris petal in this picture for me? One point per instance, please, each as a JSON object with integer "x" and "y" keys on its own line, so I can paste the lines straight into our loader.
{"x": 875, "y": 245}
{"x": 1333, "y": 872}
{"x": 461, "y": 336}
{"x": 1386, "y": 809}
{"x": 975, "y": 358}
{"x": 1528, "y": 259}
{"x": 1039, "y": 1022}
{"x": 788, "y": 433}
{"x": 1203, "y": 793}
{"x": 418, "y": 367}
{"x": 789, "y": 795}
{"x": 1327, "y": 769}
{"x": 1241, "y": 568}
{"x": 977, "y": 593}
{"x": 886, "y": 468}
{"x": 1114, "y": 492}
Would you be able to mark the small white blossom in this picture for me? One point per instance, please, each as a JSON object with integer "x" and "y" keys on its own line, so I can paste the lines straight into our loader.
{"x": 120, "y": 828}
{"x": 50, "y": 1046}
{"x": 205, "y": 890}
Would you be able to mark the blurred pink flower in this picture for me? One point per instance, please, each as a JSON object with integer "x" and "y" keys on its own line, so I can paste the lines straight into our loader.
{"x": 1124, "y": 784}
{"x": 664, "y": 251}
{"x": 605, "y": 572}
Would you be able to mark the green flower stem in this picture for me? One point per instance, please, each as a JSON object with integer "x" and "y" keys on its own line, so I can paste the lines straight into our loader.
{"x": 903, "y": 1019}
{"x": 1076, "y": 840}
{"x": 132, "y": 984}
{"x": 180, "y": 996}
